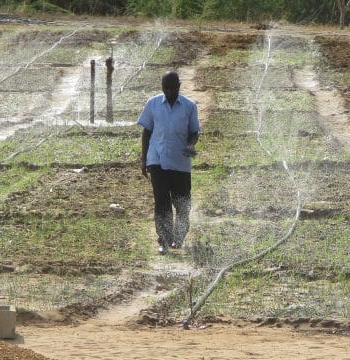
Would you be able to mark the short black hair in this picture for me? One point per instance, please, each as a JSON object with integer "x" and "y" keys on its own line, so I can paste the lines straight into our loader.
{"x": 171, "y": 76}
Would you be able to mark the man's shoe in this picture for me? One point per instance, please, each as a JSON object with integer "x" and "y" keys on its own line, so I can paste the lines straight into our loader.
{"x": 176, "y": 245}
{"x": 162, "y": 250}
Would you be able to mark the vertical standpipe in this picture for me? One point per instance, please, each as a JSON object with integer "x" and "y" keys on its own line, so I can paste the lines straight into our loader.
{"x": 110, "y": 69}
{"x": 92, "y": 91}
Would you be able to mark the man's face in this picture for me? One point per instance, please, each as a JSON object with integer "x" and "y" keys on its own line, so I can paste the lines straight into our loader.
{"x": 171, "y": 89}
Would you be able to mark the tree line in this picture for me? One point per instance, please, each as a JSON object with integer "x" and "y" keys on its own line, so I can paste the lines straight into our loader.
{"x": 296, "y": 11}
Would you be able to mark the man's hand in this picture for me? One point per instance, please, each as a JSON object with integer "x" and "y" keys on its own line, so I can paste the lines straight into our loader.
{"x": 144, "y": 168}
{"x": 146, "y": 135}
{"x": 189, "y": 151}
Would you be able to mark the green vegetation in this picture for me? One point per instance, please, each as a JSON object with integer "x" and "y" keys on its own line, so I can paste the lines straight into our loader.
{"x": 55, "y": 213}
{"x": 84, "y": 149}
{"x": 74, "y": 243}
{"x": 325, "y": 11}
{"x": 16, "y": 179}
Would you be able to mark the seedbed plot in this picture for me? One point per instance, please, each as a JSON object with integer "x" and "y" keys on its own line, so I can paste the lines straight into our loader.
{"x": 232, "y": 57}
{"x": 339, "y": 77}
{"x": 43, "y": 292}
{"x": 78, "y": 149}
{"x": 62, "y": 244}
{"x": 241, "y": 77}
{"x": 12, "y": 104}
{"x": 149, "y": 79}
{"x": 67, "y": 215}
{"x": 229, "y": 123}
{"x": 226, "y": 151}
{"x": 282, "y": 294}
{"x": 17, "y": 178}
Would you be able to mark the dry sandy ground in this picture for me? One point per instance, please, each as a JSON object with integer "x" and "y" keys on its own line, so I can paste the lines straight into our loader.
{"x": 217, "y": 342}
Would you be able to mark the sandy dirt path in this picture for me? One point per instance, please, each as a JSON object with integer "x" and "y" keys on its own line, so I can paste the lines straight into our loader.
{"x": 105, "y": 342}
{"x": 330, "y": 105}
{"x": 203, "y": 99}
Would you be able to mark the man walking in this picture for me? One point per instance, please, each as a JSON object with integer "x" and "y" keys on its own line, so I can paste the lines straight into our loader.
{"x": 171, "y": 128}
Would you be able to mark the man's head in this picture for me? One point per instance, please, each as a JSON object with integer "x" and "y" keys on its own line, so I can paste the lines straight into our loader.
{"x": 171, "y": 86}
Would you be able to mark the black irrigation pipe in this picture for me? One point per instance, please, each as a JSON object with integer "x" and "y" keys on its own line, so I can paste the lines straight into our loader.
{"x": 201, "y": 301}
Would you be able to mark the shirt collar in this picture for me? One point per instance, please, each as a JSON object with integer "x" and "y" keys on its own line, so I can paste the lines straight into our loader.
{"x": 178, "y": 100}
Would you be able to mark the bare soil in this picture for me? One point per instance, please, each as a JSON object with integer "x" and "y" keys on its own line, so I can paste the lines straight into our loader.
{"x": 11, "y": 352}
{"x": 235, "y": 341}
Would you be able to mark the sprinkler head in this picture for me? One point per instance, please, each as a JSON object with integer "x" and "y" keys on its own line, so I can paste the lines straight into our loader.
{"x": 186, "y": 325}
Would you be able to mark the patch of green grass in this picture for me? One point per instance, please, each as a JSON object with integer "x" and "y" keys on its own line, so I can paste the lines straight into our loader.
{"x": 270, "y": 100}
{"x": 290, "y": 100}
{"x": 230, "y": 151}
{"x": 163, "y": 55}
{"x": 43, "y": 292}
{"x": 26, "y": 83}
{"x": 205, "y": 182}
{"x": 67, "y": 55}
{"x": 233, "y": 56}
{"x": 229, "y": 123}
{"x": 115, "y": 242}
{"x": 322, "y": 246}
{"x": 77, "y": 149}
{"x": 245, "y": 150}
{"x": 296, "y": 149}
{"x": 272, "y": 295}
{"x": 18, "y": 178}
{"x": 338, "y": 77}
{"x": 244, "y": 77}
{"x": 293, "y": 57}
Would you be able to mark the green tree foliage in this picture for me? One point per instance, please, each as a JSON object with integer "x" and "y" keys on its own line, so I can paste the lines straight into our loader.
{"x": 152, "y": 8}
{"x": 185, "y": 9}
{"x": 322, "y": 11}
{"x": 296, "y": 11}
{"x": 93, "y": 7}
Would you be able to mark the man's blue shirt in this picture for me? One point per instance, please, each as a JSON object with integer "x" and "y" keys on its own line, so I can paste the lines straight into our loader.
{"x": 170, "y": 127}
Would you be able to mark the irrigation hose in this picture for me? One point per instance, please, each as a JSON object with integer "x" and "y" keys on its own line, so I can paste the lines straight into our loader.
{"x": 201, "y": 301}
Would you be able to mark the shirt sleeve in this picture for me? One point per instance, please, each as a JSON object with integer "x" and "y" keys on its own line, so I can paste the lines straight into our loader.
{"x": 193, "y": 125}
{"x": 146, "y": 118}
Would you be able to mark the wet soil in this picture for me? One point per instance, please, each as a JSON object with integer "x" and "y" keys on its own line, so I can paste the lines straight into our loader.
{"x": 335, "y": 49}
{"x": 80, "y": 38}
{"x": 80, "y": 190}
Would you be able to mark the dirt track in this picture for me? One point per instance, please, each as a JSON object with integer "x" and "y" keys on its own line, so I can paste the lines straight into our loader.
{"x": 217, "y": 342}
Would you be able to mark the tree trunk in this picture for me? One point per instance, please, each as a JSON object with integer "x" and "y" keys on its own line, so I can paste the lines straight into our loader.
{"x": 342, "y": 10}
{"x": 175, "y": 9}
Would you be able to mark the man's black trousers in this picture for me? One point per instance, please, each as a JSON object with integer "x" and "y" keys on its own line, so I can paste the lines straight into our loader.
{"x": 171, "y": 188}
